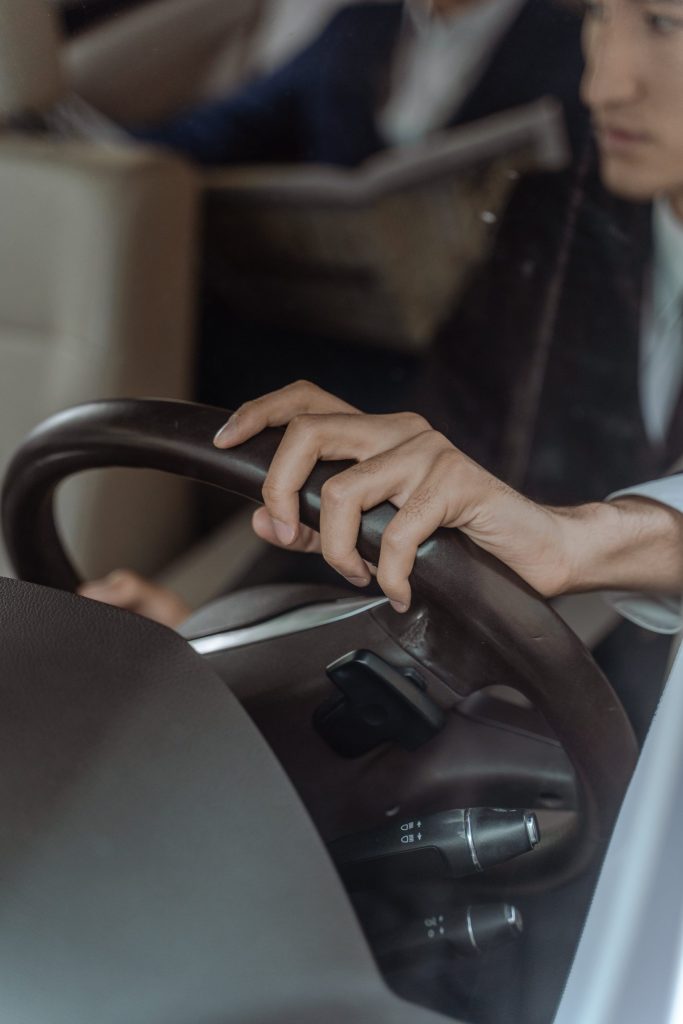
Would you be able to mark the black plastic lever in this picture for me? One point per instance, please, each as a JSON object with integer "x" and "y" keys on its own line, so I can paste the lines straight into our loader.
{"x": 448, "y": 844}
{"x": 376, "y": 704}
{"x": 463, "y": 931}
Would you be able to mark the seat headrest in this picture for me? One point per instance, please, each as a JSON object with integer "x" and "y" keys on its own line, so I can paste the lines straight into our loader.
{"x": 31, "y": 77}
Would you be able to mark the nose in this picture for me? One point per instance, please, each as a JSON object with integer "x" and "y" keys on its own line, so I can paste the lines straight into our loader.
{"x": 611, "y": 76}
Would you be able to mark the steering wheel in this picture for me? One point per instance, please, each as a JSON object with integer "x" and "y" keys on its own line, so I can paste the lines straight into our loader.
{"x": 468, "y": 608}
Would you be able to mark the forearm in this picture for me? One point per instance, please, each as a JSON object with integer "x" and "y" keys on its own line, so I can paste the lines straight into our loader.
{"x": 631, "y": 543}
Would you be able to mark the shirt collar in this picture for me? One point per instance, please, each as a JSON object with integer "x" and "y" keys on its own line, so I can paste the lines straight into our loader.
{"x": 418, "y": 17}
{"x": 443, "y": 29}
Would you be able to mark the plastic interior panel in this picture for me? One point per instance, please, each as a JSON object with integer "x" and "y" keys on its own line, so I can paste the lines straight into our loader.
{"x": 156, "y": 865}
{"x": 282, "y": 681}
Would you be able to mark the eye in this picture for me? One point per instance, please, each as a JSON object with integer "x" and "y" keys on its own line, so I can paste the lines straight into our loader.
{"x": 663, "y": 24}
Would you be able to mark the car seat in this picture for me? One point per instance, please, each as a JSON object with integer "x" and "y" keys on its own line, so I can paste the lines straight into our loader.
{"x": 147, "y": 62}
{"x": 97, "y": 254}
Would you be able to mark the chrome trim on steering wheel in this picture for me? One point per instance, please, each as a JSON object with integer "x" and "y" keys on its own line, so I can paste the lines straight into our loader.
{"x": 297, "y": 621}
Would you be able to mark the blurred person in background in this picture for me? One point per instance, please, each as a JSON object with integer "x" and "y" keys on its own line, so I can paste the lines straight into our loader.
{"x": 381, "y": 75}
{"x": 386, "y": 74}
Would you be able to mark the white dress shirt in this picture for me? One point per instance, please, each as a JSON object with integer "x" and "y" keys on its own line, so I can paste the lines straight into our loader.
{"x": 661, "y": 347}
{"x": 438, "y": 60}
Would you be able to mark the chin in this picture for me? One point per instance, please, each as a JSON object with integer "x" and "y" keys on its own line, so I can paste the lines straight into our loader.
{"x": 630, "y": 182}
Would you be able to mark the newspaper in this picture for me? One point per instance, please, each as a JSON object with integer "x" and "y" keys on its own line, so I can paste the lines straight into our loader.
{"x": 380, "y": 253}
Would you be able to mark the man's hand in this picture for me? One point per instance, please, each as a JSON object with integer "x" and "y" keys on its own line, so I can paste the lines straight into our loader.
{"x": 628, "y": 544}
{"x": 399, "y": 458}
{"x": 125, "y": 589}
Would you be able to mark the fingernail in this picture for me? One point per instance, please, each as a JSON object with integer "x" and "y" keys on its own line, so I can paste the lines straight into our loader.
{"x": 284, "y": 532}
{"x": 359, "y": 581}
{"x": 399, "y": 607}
{"x": 227, "y": 431}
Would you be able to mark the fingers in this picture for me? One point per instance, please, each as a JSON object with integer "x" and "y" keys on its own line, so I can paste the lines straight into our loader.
{"x": 276, "y": 409}
{"x": 419, "y": 517}
{"x": 121, "y": 588}
{"x": 307, "y": 439}
{"x": 307, "y": 539}
{"x": 393, "y": 454}
{"x": 403, "y": 476}
{"x": 320, "y": 426}
{"x": 402, "y": 460}
{"x": 310, "y": 438}
{"x": 343, "y": 499}
{"x": 125, "y": 589}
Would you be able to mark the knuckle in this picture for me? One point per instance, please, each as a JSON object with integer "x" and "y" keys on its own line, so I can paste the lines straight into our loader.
{"x": 393, "y": 538}
{"x": 301, "y": 425}
{"x": 417, "y": 423}
{"x": 333, "y": 492}
{"x": 447, "y": 458}
{"x": 125, "y": 579}
{"x": 271, "y": 492}
{"x": 302, "y": 386}
{"x": 441, "y": 443}
{"x": 430, "y": 442}
{"x": 126, "y": 575}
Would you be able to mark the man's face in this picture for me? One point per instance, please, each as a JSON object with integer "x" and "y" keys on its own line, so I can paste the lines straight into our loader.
{"x": 633, "y": 84}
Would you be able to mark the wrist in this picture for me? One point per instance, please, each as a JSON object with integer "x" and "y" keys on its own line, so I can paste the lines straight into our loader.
{"x": 630, "y": 543}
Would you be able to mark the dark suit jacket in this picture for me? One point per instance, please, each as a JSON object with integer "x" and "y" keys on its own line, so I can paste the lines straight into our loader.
{"x": 321, "y": 106}
{"x": 579, "y": 323}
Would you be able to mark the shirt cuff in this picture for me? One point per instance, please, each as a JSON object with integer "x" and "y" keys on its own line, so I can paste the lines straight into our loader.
{"x": 660, "y": 613}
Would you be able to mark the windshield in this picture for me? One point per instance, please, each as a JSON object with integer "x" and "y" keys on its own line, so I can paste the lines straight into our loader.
{"x": 470, "y": 210}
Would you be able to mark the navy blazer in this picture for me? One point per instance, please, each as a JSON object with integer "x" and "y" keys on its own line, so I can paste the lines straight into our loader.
{"x": 321, "y": 106}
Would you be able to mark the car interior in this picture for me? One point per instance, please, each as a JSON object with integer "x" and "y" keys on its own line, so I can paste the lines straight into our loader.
{"x": 300, "y": 806}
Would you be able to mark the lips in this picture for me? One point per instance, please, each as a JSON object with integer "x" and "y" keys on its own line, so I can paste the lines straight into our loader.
{"x": 614, "y": 136}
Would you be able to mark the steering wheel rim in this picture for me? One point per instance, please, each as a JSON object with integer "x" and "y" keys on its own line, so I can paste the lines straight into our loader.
{"x": 459, "y": 582}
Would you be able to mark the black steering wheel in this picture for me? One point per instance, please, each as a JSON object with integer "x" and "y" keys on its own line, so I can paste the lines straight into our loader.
{"x": 468, "y": 606}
